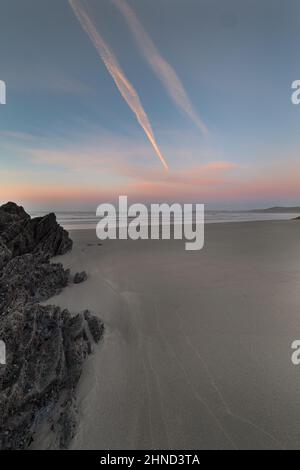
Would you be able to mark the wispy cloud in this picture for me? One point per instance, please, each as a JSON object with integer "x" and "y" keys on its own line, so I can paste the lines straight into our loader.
{"x": 44, "y": 78}
{"x": 124, "y": 86}
{"x": 160, "y": 66}
{"x": 103, "y": 168}
{"x": 14, "y": 135}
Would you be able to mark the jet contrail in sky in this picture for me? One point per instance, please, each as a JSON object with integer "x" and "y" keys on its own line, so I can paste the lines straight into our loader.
{"x": 160, "y": 66}
{"x": 124, "y": 86}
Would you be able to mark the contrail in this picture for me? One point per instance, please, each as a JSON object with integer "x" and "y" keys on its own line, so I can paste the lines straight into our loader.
{"x": 160, "y": 66}
{"x": 124, "y": 86}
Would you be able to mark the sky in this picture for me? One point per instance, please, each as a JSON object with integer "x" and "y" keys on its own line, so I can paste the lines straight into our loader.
{"x": 160, "y": 100}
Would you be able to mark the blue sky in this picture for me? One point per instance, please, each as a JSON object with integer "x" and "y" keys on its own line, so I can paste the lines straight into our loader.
{"x": 68, "y": 138}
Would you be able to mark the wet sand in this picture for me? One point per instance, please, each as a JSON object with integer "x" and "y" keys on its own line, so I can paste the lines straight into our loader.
{"x": 197, "y": 349}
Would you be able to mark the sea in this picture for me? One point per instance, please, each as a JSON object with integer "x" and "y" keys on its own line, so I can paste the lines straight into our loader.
{"x": 88, "y": 220}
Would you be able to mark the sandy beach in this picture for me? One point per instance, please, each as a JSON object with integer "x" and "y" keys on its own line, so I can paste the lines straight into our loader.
{"x": 197, "y": 348}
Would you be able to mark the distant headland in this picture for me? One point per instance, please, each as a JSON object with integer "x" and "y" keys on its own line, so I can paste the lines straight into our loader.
{"x": 278, "y": 209}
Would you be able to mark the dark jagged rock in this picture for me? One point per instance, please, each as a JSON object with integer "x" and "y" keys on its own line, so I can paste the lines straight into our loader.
{"x": 21, "y": 234}
{"x": 80, "y": 277}
{"x": 95, "y": 325}
{"x": 45, "y": 346}
{"x": 14, "y": 210}
{"x": 5, "y": 254}
{"x": 31, "y": 278}
{"x": 50, "y": 237}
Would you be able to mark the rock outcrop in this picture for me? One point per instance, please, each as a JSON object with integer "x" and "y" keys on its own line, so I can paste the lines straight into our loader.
{"x": 45, "y": 346}
{"x": 21, "y": 234}
{"x": 80, "y": 277}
